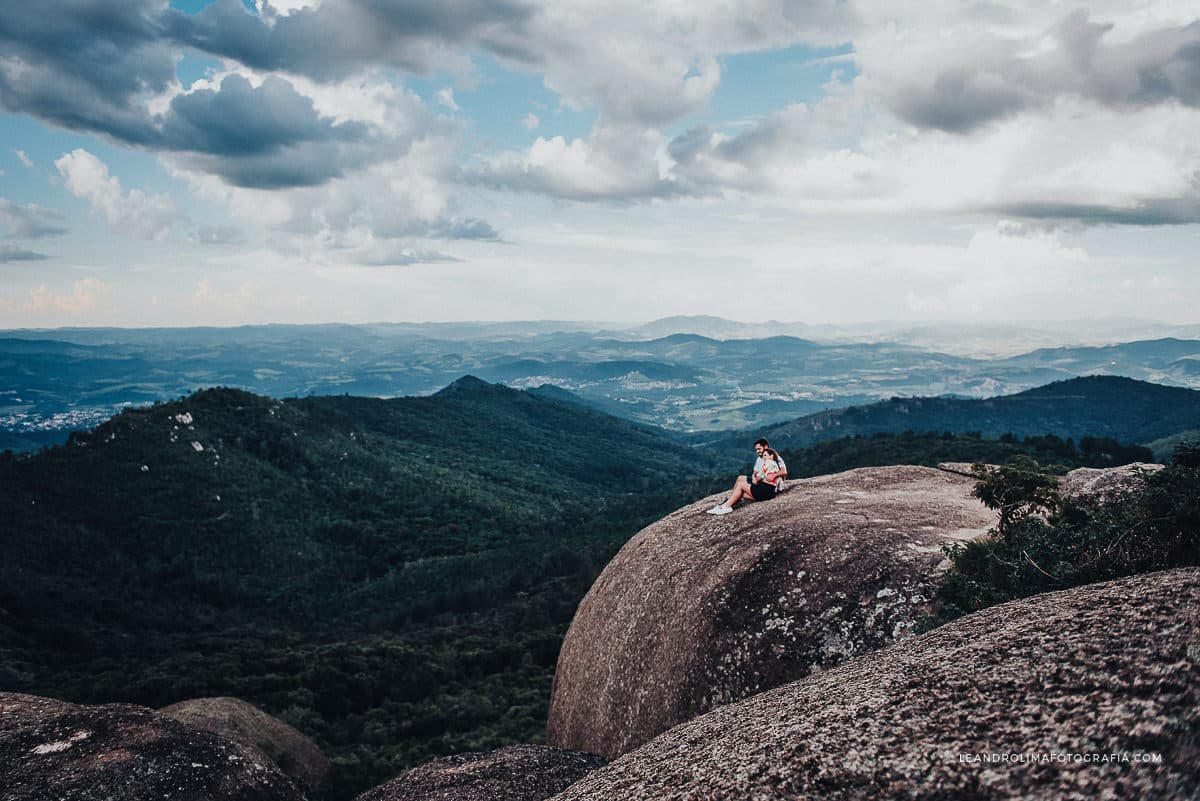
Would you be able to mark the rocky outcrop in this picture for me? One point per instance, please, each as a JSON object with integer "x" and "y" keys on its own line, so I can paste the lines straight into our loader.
{"x": 697, "y": 610}
{"x": 1006, "y": 703}
{"x": 295, "y": 754}
{"x": 1090, "y": 486}
{"x": 516, "y": 773}
{"x": 55, "y": 751}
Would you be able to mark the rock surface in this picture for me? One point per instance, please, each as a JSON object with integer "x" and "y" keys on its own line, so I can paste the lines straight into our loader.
{"x": 1089, "y": 486}
{"x": 52, "y": 750}
{"x": 1102, "y": 669}
{"x": 295, "y": 754}
{"x": 515, "y": 773}
{"x": 698, "y": 610}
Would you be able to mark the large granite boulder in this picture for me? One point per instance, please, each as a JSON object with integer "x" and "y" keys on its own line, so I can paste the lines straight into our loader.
{"x": 697, "y": 611}
{"x": 295, "y": 754}
{"x": 55, "y": 751}
{"x": 1093, "y": 486}
{"x": 515, "y": 773}
{"x": 1064, "y": 695}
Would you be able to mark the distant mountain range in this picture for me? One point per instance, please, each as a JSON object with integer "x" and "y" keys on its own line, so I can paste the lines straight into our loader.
{"x": 1098, "y": 406}
{"x": 54, "y": 382}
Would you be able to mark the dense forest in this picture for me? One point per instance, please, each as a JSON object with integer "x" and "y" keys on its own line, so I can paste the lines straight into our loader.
{"x": 393, "y": 577}
{"x": 1094, "y": 406}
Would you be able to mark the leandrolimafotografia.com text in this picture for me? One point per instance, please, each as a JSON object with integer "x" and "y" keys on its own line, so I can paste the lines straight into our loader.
{"x": 1063, "y": 757}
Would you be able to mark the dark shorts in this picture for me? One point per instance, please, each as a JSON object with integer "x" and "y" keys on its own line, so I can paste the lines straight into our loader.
{"x": 762, "y": 491}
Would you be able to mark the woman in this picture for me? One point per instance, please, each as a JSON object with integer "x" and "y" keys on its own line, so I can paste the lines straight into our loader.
{"x": 762, "y": 488}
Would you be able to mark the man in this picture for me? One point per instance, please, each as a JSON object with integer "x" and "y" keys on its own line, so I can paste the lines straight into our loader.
{"x": 768, "y": 475}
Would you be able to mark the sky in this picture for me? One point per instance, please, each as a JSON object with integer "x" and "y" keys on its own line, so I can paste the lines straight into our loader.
{"x": 823, "y": 161}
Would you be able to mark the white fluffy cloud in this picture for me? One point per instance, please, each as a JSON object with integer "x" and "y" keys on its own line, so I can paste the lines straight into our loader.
{"x": 85, "y": 295}
{"x": 134, "y": 212}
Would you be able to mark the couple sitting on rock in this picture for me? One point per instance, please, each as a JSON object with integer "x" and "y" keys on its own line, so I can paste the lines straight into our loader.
{"x": 764, "y": 482}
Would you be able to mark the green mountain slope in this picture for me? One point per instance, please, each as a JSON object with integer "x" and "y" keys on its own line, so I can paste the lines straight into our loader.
{"x": 409, "y": 564}
{"x": 1098, "y": 406}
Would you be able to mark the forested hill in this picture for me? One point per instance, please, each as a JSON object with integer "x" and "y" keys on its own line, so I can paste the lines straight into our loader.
{"x": 416, "y": 560}
{"x": 1094, "y": 406}
{"x": 321, "y": 490}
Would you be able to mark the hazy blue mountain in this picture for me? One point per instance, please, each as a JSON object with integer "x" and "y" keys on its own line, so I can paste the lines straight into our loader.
{"x": 53, "y": 382}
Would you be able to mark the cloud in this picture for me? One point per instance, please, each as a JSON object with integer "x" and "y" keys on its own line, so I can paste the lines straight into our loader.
{"x": 459, "y": 228}
{"x": 217, "y": 235}
{"x": 1149, "y": 212}
{"x": 531, "y": 121}
{"x": 29, "y": 221}
{"x": 445, "y": 97}
{"x": 134, "y": 212}
{"x": 337, "y": 39}
{"x": 85, "y": 66}
{"x": 648, "y": 65}
{"x": 269, "y": 136}
{"x": 400, "y": 257}
{"x": 85, "y": 295}
{"x": 24, "y": 159}
{"x": 109, "y": 68}
{"x": 11, "y": 253}
{"x": 978, "y": 76}
{"x": 614, "y": 163}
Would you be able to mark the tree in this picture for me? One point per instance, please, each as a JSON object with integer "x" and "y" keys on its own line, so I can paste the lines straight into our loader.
{"x": 1016, "y": 491}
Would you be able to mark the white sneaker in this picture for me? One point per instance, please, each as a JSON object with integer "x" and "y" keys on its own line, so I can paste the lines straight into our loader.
{"x": 720, "y": 509}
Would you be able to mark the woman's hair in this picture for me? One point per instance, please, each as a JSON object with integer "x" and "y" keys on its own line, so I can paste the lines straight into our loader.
{"x": 774, "y": 454}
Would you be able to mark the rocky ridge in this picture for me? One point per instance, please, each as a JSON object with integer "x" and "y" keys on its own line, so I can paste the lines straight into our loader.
{"x": 1092, "y": 692}
{"x": 294, "y": 754}
{"x": 697, "y": 611}
{"x": 515, "y": 773}
{"x": 55, "y": 751}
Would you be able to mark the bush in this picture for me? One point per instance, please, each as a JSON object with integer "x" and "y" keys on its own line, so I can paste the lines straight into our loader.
{"x": 1039, "y": 546}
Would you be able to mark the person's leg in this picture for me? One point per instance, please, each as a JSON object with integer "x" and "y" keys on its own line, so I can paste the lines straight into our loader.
{"x": 741, "y": 491}
{"x": 740, "y": 487}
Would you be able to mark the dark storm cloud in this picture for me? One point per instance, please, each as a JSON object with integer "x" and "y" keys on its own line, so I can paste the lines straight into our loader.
{"x": 336, "y": 39}
{"x": 29, "y": 221}
{"x": 265, "y": 137}
{"x": 91, "y": 65}
{"x": 997, "y": 82}
{"x": 243, "y": 120}
{"x": 961, "y": 100}
{"x": 85, "y": 65}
